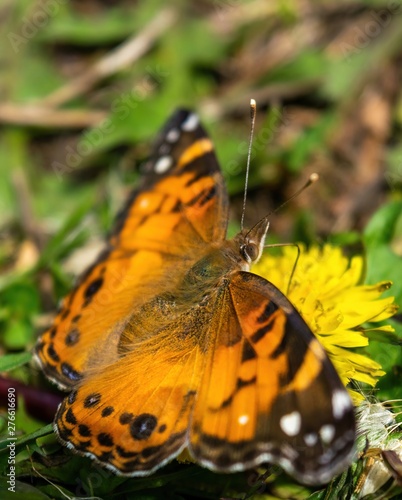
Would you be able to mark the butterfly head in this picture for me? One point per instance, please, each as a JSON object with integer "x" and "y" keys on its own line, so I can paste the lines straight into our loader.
{"x": 251, "y": 242}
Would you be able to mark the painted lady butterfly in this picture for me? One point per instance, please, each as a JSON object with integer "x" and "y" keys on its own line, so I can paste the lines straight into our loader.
{"x": 169, "y": 342}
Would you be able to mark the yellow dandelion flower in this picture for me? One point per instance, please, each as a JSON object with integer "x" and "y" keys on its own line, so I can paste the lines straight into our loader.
{"x": 326, "y": 290}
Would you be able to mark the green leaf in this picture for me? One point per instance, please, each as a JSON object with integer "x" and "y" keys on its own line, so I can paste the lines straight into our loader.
{"x": 67, "y": 238}
{"x": 43, "y": 431}
{"x": 17, "y": 334}
{"x": 11, "y": 361}
{"x": 22, "y": 297}
{"x": 393, "y": 176}
{"x": 390, "y": 358}
{"x": 306, "y": 67}
{"x": 383, "y": 240}
{"x": 310, "y": 141}
{"x": 21, "y": 491}
{"x": 19, "y": 303}
{"x": 104, "y": 26}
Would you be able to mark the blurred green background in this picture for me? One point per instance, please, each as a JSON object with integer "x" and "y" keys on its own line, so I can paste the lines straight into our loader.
{"x": 86, "y": 84}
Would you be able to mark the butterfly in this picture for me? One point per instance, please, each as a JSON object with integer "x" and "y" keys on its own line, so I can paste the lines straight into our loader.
{"x": 169, "y": 342}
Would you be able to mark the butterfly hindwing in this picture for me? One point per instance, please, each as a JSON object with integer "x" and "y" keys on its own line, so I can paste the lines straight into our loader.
{"x": 133, "y": 415}
{"x": 182, "y": 195}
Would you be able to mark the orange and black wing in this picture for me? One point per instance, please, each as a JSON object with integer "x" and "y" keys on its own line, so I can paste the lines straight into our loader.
{"x": 269, "y": 392}
{"x": 178, "y": 210}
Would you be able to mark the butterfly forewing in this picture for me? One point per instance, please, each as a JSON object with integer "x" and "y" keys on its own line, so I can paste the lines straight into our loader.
{"x": 184, "y": 188}
{"x": 283, "y": 401}
{"x": 180, "y": 209}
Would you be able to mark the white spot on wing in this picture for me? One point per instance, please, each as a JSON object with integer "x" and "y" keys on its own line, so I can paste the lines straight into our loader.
{"x": 163, "y": 164}
{"x": 190, "y": 123}
{"x": 327, "y": 433}
{"x": 144, "y": 202}
{"x": 311, "y": 439}
{"x": 340, "y": 403}
{"x": 243, "y": 419}
{"x": 291, "y": 423}
{"x": 173, "y": 135}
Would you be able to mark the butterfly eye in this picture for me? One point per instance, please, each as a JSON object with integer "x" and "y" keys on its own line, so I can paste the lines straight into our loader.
{"x": 250, "y": 252}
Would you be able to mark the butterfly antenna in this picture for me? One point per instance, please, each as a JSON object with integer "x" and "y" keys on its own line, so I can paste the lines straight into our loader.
{"x": 253, "y": 112}
{"x": 313, "y": 178}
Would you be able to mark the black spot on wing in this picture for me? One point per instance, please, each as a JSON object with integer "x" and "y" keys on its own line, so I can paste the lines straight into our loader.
{"x": 70, "y": 417}
{"x": 203, "y": 197}
{"x": 107, "y": 411}
{"x": 126, "y": 418}
{"x": 72, "y": 337}
{"x": 65, "y": 313}
{"x": 92, "y": 400}
{"x": 247, "y": 352}
{"x": 261, "y": 332}
{"x": 68, "y": 371}
{"x": 143, "y": 426}
{"x": 52, "y": 353}
{"x": 93, "y": 287}
{"x": 105, "y": 439}
{"x": 84, "y": 430}
{"x": 72, "y": 397}
{"x": 270, "y": 308}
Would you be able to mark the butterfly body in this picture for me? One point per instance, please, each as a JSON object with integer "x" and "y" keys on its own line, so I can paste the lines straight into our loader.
{"x": 176, "y": 344}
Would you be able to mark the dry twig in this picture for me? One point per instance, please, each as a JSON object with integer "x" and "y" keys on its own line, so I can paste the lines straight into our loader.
{"x": 121, "y": 57}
